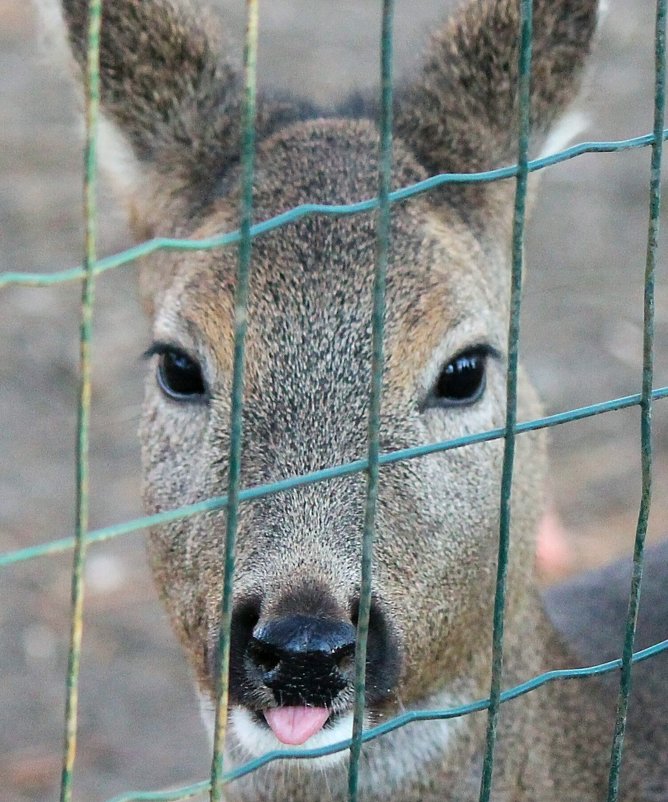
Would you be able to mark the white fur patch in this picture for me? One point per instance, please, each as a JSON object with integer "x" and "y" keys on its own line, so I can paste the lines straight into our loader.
{"x": 397, "y": 756}
{"x": 53, "y": 39}
{"x": 574, "y": 122}
{"x": 405, "y": 754}
{"x": 115, "y": 154}
{"x": 603, "y": 8}
{"x": 207, "y": 714}
{"x": 257, "y": 740}
{"x": 118, "y": 160}
{"x": 564, "y": 132}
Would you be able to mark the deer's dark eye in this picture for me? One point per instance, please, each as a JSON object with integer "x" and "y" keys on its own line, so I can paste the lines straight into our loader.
{"x": 179, "y": 375}
{"x": 462, "y": 381}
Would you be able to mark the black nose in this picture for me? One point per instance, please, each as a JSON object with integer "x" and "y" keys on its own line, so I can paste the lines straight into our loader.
{"x": 303, "y": 659}
{"x": 305, "y": 653}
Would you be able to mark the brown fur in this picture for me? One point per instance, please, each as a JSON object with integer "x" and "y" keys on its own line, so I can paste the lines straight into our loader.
{"x": 175, "y": 101}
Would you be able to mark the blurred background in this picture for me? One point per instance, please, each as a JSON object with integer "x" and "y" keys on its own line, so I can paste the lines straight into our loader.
{"x": 582, "y": 343}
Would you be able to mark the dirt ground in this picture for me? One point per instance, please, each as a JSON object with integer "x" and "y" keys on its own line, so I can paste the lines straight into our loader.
{"x": 581, "y": 343}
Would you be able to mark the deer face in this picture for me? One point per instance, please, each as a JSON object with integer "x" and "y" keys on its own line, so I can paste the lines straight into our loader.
{"x": 306, "y": 408}
{"x": 172, "y": 102}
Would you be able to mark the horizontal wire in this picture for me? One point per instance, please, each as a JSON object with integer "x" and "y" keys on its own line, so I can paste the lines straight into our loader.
{"x": 234, "y": 237}
{"x": 259, "y": 491}
{"x": 189, "y": 791}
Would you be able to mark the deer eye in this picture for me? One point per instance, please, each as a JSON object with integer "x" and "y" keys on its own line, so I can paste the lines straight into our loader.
{"x": 462, "y": 380}
{"x": 179, "y": 376}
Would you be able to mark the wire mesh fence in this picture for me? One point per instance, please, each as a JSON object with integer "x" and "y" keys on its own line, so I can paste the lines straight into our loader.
{"x": 520, "y": 171}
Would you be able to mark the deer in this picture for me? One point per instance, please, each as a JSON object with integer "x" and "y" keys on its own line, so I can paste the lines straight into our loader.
{"x": 170, "y": 137}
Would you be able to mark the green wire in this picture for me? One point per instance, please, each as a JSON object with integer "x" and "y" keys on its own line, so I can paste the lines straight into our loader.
{"x": 526, "y": 29}
{"x": 240, "y": 326}
{"x": 92, "y": 81}
{"x": 349, "y": 468}
{"x": 187, "y": 792}
{"x": 233, "y": 237}
{"x": 374, "y": 460}
{"x": 645, "y": 403}
{"x": 378, "y": 328}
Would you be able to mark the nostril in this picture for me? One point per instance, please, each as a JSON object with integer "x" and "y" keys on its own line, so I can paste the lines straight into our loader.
{"x": 264, "y": 656}
{"x": 245, "y": 616}
{"x": 355, "y": 614}
{"x": 344, "y": 659}
{"x": 383, "y": 661}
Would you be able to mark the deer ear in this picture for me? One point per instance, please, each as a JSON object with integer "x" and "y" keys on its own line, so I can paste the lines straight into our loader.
{"x": 169, "y": 101}
{"x": 461, "y": 113}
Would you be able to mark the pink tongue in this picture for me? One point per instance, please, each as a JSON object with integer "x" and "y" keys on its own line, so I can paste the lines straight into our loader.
{"x": 294, "y": 725}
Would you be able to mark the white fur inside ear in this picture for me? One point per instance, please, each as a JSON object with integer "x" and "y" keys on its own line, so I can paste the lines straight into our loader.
{"x": 564, "y": 132}
{"x": 603, "y": 8}
{"x": 118, "y": 160}
{"x": 51, "y": 29}
{"x": 114, "y": 152}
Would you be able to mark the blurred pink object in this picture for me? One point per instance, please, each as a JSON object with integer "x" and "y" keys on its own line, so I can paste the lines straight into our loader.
{"x": 554, "y": 555}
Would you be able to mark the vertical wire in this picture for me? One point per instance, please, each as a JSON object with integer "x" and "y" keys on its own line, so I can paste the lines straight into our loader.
{"x": 526, "y": 30}
{"x": 645, "y": 402}
{"x": 240, "y": 326}
{"x": 92, "y": 101}
{"x": 378, "y": 327}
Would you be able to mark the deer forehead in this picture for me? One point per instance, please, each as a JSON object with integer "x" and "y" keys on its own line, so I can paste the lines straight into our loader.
{"x": 310, "y": 302}
{"x": 312, "y": 281}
